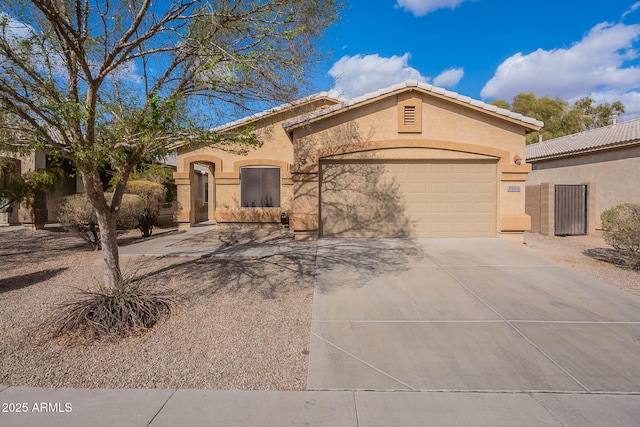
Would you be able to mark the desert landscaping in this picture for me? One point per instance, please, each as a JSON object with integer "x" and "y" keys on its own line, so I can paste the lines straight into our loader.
{"x": 239, "y": 322}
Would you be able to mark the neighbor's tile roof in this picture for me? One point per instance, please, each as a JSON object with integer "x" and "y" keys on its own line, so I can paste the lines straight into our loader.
{"x": 410, "y": 84}
{"x": 274, "y": 110}
{"x": 590, "y": 140}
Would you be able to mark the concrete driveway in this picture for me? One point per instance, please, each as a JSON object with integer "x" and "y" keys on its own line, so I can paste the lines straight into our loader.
{"x": 466, "y": 315}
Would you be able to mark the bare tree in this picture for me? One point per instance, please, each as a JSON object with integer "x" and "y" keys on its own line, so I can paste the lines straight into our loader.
{"x": 115, "y": 82}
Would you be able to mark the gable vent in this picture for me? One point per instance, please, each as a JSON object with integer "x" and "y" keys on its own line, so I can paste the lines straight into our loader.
{"x": 409, "y": 115}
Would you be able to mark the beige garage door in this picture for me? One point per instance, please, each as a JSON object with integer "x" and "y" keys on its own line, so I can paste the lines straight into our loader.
{"x": 408, "y": 199}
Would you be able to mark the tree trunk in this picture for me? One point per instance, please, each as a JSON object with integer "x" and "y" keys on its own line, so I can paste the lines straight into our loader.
{"x": 109, "y": 241}
{"x": 107, "y": 221}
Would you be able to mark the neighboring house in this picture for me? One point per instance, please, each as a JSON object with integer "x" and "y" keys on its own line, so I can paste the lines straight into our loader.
{"x": 410, "y": 160}
{"x": 42, "y": 209}
{"x": 578, "y": 176}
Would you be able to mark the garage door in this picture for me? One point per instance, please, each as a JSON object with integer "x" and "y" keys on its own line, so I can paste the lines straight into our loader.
{"x": 408, "y": 199}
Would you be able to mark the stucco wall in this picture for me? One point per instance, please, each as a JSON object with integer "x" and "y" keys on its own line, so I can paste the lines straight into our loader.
{"x": 449, "y": 130}
{"x": 442, "y": 120}
{"x": 225, "y": 162}
{"x": 20, "y": 212}
{"x": 616, "y": 173}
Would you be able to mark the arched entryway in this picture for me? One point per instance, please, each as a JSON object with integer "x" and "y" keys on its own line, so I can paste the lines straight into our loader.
{"x": 196, "y": 184}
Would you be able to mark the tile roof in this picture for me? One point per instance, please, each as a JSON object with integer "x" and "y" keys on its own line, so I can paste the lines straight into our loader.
{"x": 274, "y": 110}
{"x": 591, "y": 140}
{"x": 265, "y": 113}
{"x": 410, "y": 84}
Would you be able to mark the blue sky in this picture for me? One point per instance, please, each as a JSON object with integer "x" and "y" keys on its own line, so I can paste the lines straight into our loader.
{"x": 489, "y": 49}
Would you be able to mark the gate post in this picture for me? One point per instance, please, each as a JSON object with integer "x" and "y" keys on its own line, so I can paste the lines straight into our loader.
{"x": 593, "y": 221}
{"x": 547, "y": 209}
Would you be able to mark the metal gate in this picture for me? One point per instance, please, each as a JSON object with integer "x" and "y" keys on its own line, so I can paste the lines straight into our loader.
{"x": 570, "y": 210}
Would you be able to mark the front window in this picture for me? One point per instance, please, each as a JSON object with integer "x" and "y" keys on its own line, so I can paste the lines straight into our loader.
{"x": 260, "y": 187}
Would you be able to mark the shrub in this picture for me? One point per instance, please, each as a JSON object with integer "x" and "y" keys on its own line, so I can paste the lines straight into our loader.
{"x": 113, "y": 313}
{"x": 152, "y": 195}
{"x": 154, "y": 172}
{"x": 621, "y": 226}
{"x": 76, "y": 213}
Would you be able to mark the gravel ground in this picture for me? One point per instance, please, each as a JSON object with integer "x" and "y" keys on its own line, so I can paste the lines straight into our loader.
{"x": 574, "y": 251}
{"x": 240, "y": 323}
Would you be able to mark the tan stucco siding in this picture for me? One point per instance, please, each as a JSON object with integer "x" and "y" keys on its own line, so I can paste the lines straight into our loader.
{"x": 442, "y": 121}
{"x": 447, "y": 131}
{"x": 276, "y": 150}
{"x": 616, "y": 174}
{"x": 398, "y": 130}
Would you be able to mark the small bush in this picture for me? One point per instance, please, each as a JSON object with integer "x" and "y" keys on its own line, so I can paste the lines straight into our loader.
{"x": 621, "y": 226}
{"x": 76, "y": 213}
{"x": 152, "y": 195}
{"x": 113, "y": 313}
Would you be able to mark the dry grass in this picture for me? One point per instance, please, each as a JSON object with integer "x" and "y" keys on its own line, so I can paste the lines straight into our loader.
{"x": 240, "y": 323}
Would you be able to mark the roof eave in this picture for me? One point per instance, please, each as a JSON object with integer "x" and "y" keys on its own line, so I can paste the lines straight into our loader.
{"x": 266, "y": 114}
{"x": 528, "y": 123}
{"x": 583, "y": 151}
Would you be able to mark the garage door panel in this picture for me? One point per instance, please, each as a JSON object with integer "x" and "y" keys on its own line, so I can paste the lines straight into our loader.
{"x": 461, "y": 227}
{"x": 461, "y": 207}
{"x": 483, "y": 208}
{"x": 484, "y": 187}
{"x": 440, "y": 187}
{"x": 439, "y": 208}
{"x": 418, "y": 168}
{"x": 440, "y": 168}
{"x": 480, "y": 227}
{"x": 462, "y": 187}
{"x": 439, "y": 228}
{"x": 461, "y": 168}
{"x": 400, "y": 199}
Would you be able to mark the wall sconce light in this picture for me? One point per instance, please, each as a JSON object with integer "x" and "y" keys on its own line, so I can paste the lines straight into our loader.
{"x": 517, "y": 160}
{"x": 303, "y": 159}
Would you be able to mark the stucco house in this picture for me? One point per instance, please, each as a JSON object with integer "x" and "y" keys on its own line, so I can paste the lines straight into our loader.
{"x": 576, "y": 177}
{"x": 43, "y": 207}
{"x": 409, "y": 160}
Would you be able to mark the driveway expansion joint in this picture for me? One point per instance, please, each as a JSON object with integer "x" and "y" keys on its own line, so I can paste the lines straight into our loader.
{"x": 518, "y": 331}
{"x": 361, "y": 361}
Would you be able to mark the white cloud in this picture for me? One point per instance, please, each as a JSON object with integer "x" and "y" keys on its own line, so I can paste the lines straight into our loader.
{"x": 359, "y": 74}
{"x": 632, "y": 9}
{"x": 127, "y": 71}
{"x": 597, "y": 63}
{"x": 422, "y": 7}
{"x": 449, "y": 78}
{"x": 37, "y": 51}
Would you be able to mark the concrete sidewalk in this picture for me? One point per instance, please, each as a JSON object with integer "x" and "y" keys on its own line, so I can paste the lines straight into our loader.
{"x": 170, "y": 245}
{"x": 66, "y": 407}
{"x": 162, "y": 245}
{"x": 8, "y": 228}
